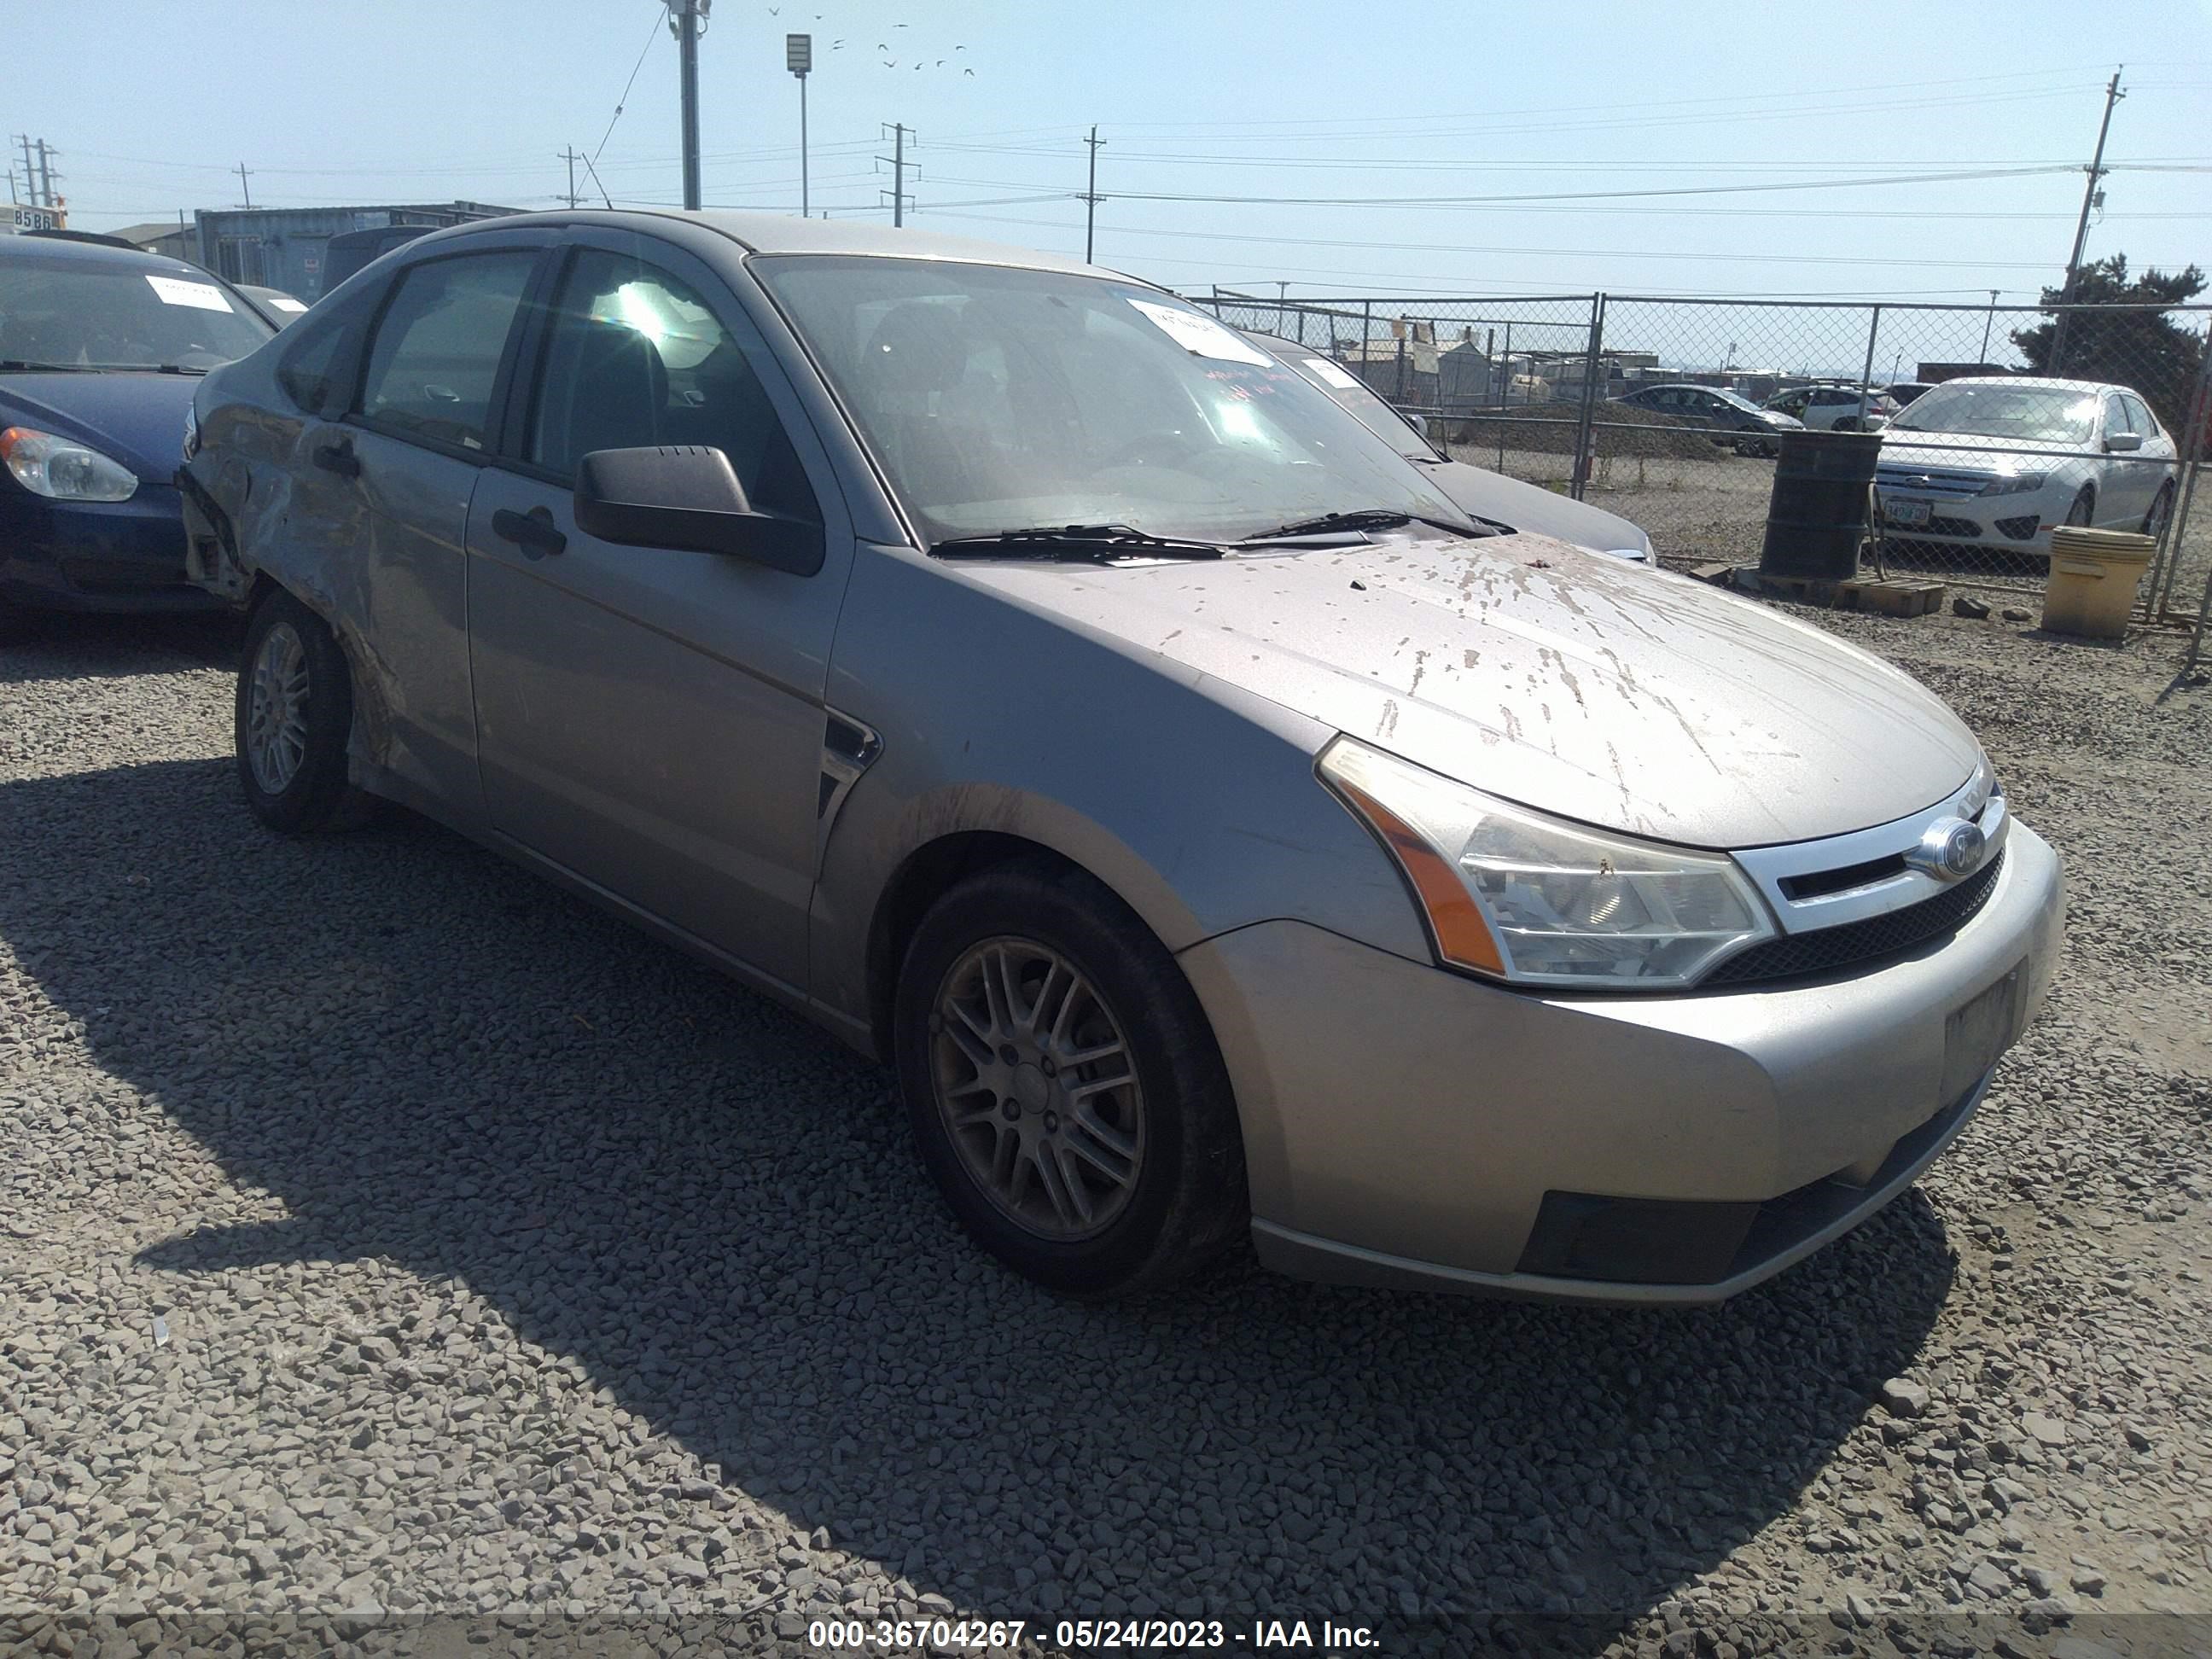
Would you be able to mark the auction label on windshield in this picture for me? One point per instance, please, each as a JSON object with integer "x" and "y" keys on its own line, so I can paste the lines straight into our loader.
{"x": 175, "y": 291}
{"x": 1341, "y": 379}
{"x": 1202, "y": 335}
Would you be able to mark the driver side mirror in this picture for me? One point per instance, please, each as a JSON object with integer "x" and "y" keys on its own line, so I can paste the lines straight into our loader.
{"x": 688, "y": 500}
{"x": 2119, "y": 441}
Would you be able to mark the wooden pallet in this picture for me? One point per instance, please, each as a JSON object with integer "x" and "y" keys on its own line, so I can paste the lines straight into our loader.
{"x": 1895, "y": 596}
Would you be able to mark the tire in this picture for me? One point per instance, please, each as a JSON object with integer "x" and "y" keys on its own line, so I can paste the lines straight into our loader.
{"x": 2161, "y": 507}
{"x": 1134, "y": 1183}
{"x": 293, "y": 681}
{"x": 2083, "y": 513}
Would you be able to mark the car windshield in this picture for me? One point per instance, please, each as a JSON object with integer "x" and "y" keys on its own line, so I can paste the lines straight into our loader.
{"x": 2050, "y": 415}
{"x": 999, "y": 398}
{"x": 80, "y": 314}
{"x": 1374, "y": 410}
{"x": 1736, "y": 398}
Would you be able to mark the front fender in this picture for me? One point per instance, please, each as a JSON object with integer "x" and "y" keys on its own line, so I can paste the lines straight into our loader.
{"x": 1194, "y": 801}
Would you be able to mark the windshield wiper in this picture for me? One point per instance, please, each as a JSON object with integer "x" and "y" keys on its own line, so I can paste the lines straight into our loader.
{"x": 9, "y": 363}
{"x": 1363, "y": 518}
{"x": 1096, "y": 542}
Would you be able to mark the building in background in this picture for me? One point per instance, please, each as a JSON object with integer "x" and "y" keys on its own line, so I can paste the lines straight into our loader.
{"x": 288, "y": 248}
{"x": 173, "y": 241}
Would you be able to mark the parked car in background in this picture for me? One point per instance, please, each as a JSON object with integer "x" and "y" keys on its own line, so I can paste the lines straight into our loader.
{"x": 1486, "y": 494}
{"x": 1031, "y": 680}
{"x": 1904, "y": 392}
{"x": 1836, "y": 408}
{"x": 101, "y": 347}
{"x": 272, "y": 305}
{"x": 1997, "y": 462}
{"x": 1733, "y": 418}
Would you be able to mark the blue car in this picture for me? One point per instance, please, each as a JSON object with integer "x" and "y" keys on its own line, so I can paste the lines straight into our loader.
{"x": 100, "y": 350}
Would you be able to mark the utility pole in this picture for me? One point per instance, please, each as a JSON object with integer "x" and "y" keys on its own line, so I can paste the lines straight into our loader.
{"x": 572, "y": 156}
{"x": 1989, "y": 323}
{"x": 898, "y": 172}
{"x": 243, "y": 185}
{"x": 1091, "y": 195}
{"x": 2090, "y": 194}
{"x": 30, "y": 173}
{"x": 46, "y": 175}
{"x": 798, "y": 59}
{"x": 684, "y": 20}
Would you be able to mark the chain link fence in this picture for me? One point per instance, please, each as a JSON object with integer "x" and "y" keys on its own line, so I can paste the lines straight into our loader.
{"x": 1669, "y": 411}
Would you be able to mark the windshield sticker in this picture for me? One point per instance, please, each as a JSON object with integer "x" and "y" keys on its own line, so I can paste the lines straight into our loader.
{"x": 1340, "y": 379}
{"x": 285, "y": 303}
{"x": 174, "y": 291}
{"x": 1201, "y": 335}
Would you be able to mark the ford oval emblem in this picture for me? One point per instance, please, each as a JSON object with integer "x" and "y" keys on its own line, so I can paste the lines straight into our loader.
{"x": 1950, "y": 849}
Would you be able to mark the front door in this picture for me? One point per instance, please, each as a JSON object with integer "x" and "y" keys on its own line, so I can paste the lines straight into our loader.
{"x": 652, "y": 720}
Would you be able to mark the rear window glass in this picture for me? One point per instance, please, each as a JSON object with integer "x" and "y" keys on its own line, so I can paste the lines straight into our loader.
{"x": 437, "y": 349}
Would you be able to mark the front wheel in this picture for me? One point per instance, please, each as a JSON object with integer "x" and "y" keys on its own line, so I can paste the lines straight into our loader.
{"x": 293, "y": 713}
{"x": 2083, "y": 513}
{"x": 1064, "y": 1088}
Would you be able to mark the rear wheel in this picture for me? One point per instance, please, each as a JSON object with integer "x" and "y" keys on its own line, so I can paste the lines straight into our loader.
{"x": 292, "y": 714}
{"x": 1064, "y": 1087}
{"x": 2161, "y": 507}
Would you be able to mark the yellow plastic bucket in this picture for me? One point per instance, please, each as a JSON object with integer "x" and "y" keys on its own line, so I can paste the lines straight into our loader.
{"x": 2094, "y": 576}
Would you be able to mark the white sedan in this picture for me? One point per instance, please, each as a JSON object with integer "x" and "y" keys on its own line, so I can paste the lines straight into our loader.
{"x": 1998, "y": 461}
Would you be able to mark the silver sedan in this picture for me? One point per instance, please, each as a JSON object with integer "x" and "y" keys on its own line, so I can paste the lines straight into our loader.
{"x": 1029, "y": 679}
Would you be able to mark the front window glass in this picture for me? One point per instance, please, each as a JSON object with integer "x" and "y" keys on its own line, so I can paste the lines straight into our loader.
{"x": 1000, "y": 398}
{"x": 637, "y": 359}
{"x": 1374, "y": 410}
{"x": 80, "y": 314}
{"x": 2031, "y": 413}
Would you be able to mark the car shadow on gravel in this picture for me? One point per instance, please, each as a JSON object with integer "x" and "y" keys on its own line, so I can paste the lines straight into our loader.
{"x": 64, "y": 646}
{"x": 434, "y": 1059}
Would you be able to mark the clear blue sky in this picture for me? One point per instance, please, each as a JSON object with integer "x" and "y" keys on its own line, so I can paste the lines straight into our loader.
{"x": 149, "y": 101}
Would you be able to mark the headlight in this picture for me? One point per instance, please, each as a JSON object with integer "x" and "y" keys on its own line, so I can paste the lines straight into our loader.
{"x": 2013, "y": 483}
{"x": 1521, "y": 896}
{"x": 63, "y": 470}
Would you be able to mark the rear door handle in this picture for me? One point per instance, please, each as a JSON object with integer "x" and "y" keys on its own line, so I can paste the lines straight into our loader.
{"x": 531, "y": 531}
{"x": 339, "y": 459}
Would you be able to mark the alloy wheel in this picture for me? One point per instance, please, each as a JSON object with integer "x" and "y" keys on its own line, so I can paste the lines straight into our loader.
{"x": 1036, "y": 1084}
{"x": 277, "y": 709}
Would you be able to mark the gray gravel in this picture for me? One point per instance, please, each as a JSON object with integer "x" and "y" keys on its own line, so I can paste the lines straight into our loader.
{"x": 381, "y": 1229}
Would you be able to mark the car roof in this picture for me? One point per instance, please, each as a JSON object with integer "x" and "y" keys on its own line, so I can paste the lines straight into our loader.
{"x": 2038, "y": 383}
{"x": 783, "y": 233}
{"x": 60, "y": 249}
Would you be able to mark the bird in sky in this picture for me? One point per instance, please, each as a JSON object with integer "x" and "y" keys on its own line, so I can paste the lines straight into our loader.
{"x": 970, "y": 74}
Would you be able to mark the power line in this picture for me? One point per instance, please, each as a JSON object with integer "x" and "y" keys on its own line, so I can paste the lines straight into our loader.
{"x": 651, "y": 36}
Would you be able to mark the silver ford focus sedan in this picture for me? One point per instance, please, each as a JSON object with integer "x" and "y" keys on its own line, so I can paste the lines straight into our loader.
{"x": 1052, "y": 694}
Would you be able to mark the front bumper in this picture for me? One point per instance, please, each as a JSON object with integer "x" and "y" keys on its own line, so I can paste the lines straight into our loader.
{"x": 1407, "y": 1125}
{"x": 2018, "y": 523}
{"x": 96, "y": 555}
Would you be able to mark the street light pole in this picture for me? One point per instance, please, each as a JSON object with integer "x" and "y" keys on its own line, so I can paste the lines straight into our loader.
{"x": 687, "y": 14}
{"x": 798, "y": 59}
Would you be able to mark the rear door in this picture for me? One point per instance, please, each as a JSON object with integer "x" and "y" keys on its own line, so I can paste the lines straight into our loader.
{"x": 407, "y": 455}
{"x": 652, "y": 720}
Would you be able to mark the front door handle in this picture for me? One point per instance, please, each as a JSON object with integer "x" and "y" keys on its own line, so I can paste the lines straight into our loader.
{"x": 531, "y": 531}
{"x": 339, "y": 457}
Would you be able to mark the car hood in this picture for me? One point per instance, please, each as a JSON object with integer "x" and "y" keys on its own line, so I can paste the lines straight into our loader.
{"x": 1967, "y": 451}
{"x": 1531, "y": 508}
{"x": 1622, "y": 696}
{"x": 139, "y": 419}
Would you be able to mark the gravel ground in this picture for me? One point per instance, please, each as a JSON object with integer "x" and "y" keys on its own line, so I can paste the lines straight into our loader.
{"x": 380, "y": 1228}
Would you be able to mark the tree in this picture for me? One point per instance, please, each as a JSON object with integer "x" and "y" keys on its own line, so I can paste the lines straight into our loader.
{"x": 2151, "y": 352}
